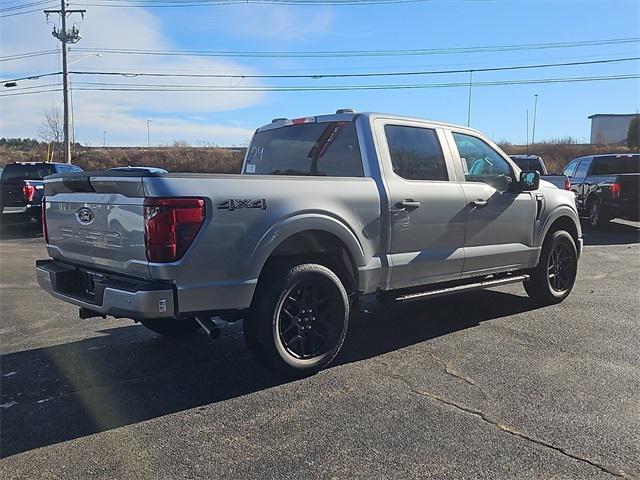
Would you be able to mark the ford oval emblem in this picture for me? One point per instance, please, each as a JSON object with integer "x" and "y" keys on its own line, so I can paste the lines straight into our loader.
{"x": 84, "y": 216}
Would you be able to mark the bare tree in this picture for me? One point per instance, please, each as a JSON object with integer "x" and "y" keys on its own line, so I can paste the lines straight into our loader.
{"x": 52, "y": 128}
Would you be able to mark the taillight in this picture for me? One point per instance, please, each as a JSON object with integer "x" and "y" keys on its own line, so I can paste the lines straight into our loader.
{"x": 28, "y": 191}
{"x": 170, "y": 225}
{"x": 615, "y": 191}
{"x": 567, "y": 184}
{"x": 45, "y": 234}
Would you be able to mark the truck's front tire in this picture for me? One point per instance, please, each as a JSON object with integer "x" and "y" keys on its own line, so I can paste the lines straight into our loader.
{"x": 553, "y": 279}
{"x": 171, "y": 327}
{"x": 298, "y": 320}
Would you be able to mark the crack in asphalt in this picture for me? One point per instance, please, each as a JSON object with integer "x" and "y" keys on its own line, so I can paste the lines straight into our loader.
{"x": 457, "y": 375}
{"x": 511, "y": 431}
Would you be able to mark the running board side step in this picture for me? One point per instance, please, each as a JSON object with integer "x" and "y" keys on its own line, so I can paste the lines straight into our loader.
{"x": 462, "y": 288}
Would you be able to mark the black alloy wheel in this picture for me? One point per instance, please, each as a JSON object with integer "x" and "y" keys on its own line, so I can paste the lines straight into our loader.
{"x": 309, "y": 319}
{"x": 298, "y": 319}
{"x": 561, "y": 268}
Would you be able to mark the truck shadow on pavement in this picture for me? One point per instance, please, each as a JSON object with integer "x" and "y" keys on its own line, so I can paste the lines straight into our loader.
{"x": 127, "y": 375}
{"x": 613, "y": 234}
{"x": 12, "y": 230}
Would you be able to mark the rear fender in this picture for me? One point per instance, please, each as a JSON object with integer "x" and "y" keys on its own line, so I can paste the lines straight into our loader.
{"x": 288, "y": 227}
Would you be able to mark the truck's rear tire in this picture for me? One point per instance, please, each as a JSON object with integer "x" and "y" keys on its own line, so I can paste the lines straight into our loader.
{"x": 298, "y": 320}
{"x": 598, "y": 216}
{"x": 171, "y": 327}
{"x": 554, "y": 277}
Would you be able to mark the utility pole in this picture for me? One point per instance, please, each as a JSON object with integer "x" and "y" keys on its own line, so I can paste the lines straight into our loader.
{"x": 65, "y": 36}
{"x": 148, "y": 135}
{"x": 535, "y": 111}
{"x": 104, "y": 139}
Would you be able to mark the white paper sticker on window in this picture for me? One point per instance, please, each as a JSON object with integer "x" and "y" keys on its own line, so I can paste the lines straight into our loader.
{"x": 251, "y": 168}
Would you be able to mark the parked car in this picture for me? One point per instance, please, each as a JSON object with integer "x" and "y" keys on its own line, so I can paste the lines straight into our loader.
{"x": 535, "y": 162}
{"x": 327, "y": 209}
{"x": 606, "y": 187}
{"x": 21, "y": 186}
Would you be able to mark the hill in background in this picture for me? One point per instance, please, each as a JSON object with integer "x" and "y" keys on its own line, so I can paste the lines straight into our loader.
{"x": 229, "y": 160}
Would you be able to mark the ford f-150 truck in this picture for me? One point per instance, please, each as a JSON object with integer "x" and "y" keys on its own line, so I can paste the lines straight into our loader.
{"x": 606, "y": 187}
{"x": 327, "y": 209}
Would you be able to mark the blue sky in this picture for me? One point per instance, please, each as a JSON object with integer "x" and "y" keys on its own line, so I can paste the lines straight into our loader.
{"x": 499, "y": 111}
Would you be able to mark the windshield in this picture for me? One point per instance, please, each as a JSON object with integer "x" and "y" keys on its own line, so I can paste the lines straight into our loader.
{"x": 17, "y": 171}
{"x": 315, "y": 149}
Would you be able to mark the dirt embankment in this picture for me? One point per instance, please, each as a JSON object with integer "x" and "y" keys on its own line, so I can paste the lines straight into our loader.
{"x": 229, "y": 160}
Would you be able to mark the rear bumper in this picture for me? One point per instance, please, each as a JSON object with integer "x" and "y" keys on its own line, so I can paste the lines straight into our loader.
{"x": 34, "y": 211}
{"x": 108, "y": 294}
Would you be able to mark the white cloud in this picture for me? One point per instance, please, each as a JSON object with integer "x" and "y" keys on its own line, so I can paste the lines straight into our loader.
{"x": 279, "y": 22}
{"x": 122, "y": 114}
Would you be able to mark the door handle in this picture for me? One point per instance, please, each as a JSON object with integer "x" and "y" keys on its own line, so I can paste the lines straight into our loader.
{"x": 407, "y": 204}
{"x": 478, "y": 203}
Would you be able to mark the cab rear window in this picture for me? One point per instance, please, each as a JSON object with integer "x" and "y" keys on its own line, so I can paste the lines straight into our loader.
{"x": 614, "y": 164}
{"x": 311, "y": 149}
{"x": 17, "y": 171}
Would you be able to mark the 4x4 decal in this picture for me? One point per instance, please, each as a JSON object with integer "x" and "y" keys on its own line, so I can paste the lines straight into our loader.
{"x": 238, "y": 204}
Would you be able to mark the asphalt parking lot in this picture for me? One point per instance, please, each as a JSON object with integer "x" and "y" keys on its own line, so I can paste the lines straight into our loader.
{"x": 482, "y": 385}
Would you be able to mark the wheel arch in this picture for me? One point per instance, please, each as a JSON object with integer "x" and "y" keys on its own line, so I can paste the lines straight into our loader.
{"x": 566, "y": 219}
{"x": 592, "y": 196}
{"x": 312, "y": 238}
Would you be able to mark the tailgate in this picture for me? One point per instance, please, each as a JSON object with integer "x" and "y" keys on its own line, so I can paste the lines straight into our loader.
{"x": 629, "y": 187}
{"x": 11, "y": 194}
{"x": 97, "y": 220}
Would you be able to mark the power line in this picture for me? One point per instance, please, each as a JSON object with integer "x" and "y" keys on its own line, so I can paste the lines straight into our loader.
{"x": 339, "y": 53}
{"x": 30, "y": 93}
{"x": 20, "y": 56}
{"x": 110, "y": 87}
{"x": 205, "y": 3}
{"x": 332, "y": 75}
{"x": 32, "y": 77}
{"x": 15, "y": 14}
{"x": 358, "y": 75}
{"x": 363, "y": 53}
{"x": 220, "y": 88}
{"x": 24, "y": 5}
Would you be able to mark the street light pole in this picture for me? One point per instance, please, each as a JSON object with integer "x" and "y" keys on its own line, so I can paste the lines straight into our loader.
{"x": 535, "y": 111}
{"x": 469, "y": 105}
{"x": 148, "y": 134}
{"x": 527, "y": 133}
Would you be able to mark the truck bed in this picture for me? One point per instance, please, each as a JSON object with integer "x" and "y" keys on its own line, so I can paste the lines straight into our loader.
{"x": 250, "y": 213}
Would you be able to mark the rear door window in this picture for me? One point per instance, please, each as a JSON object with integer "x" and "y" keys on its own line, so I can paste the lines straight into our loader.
{"x": 416, "y": 153}
{"x": 582, "y": 170}
{"x": 570, "y": 169}
{"x": 311, "y": 149}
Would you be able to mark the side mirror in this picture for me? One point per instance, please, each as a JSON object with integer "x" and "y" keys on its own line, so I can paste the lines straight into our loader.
{"x": 529, "y": 180}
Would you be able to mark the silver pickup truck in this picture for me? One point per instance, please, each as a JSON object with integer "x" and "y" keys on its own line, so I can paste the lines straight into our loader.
{"x": 327, "y": 209}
